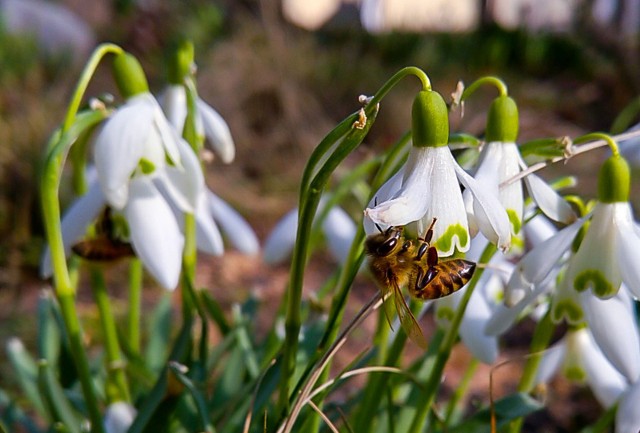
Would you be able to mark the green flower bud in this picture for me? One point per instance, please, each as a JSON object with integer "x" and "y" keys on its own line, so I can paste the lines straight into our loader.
{"x": 129, "y": 75}
{"x": 429, "y": 120}
{"x": 181, "y": 62}
{"x": 614, "y": 180}
{"x": 502, "y": 120}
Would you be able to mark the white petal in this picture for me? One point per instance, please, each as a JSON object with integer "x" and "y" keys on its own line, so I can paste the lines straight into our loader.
{"x": 491, "y": 216}
{"x": 207, "y": 232}
{"x": 235, "y": 227}
{"x": 217, "y": 132}
{"x": 538, "y": 229}
{"x": 565, "y": 304}
{"x": 309, "y": 15}
{"x": 119, "y": 417}
{"x": 411, "y": 202}
{"x": 628, "y": 243}
{"x": 183, "y": 184}
{"x": 386, "y": 191}
{"x": 549, "y": 201}
{"x": 75, "y": 221}
{"x": 504, "y": 317}
{"x": 478, "y": 312}
{"x": 339, "y": 231}
{"x": 511, "y": 196}
{"x": 538, "y": 263}
{"x": 155, "y": 234}
{"x": 119, "y": 147}
{"x": 595, "y": 265}
{"x": 604, "y": 380}
{"x": 279, "y": 243}
{"x": 174, "y": 105}
{"x": 613, "y": 325}
{"x": 550, "y": 363}
{"x": 628, "y": 415}
{"x": 166, "y": 134}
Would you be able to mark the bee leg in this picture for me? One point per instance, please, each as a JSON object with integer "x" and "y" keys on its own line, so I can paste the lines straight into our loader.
{"x": 406, "y": 246}
{"x": 423, "y": 279}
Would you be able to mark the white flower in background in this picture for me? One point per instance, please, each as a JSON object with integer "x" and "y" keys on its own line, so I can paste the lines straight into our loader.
{"x": 310, "y": 15}
{"x": 628, "y": 415}
{"x": 535, "y": 15}
{"x": 209, "y": 122}
{"x": 119, "y": 417}
{"x": 428, "y": 187}
{"x": 378, "y": 16}
{"x": 580, "y": 359}
{"x": 338, "y": 229}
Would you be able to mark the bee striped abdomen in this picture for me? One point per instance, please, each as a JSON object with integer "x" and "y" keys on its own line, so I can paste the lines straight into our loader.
{"x": 442, "y": 279}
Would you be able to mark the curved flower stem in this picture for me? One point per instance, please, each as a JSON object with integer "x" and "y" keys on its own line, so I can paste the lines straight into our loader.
{"x": 117, "y": 388}
{"x": 95, "y": 59}
{"x": 596, "y": 143}
{"x": 391, "y": 82}
{"x": 599, "y": 136}
{"x": 135, "y": 303}
{"x": 423, "y": 406}
{"x": 540, "y": 341}
{"x": 495, "y": 81}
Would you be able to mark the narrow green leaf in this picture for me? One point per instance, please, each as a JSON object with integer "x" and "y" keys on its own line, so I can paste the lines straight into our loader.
{"x": 26, "y": 373}
{"x": 159, "y": 335}
{"x": 49, "y": 338}
{"x": 180, "y": 372}
{"x": 60, "y": 408}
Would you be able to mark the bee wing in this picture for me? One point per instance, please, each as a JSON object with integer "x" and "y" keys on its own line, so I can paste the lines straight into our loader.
{"x": 408, "y": 322}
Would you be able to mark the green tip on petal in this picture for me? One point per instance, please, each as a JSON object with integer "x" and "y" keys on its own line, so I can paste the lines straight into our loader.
{"x": 146, "y": 166}
{"x": 445, "y": 242}
{"x": 568, "y": 310}
{"x": 445, "y": 314}
{"x": 596, "y": 280}
{"x": 575, "y": 374}
{"x": 181, "y": 62}
{"x": 516, "y": 224}
{"x": 614, "y": 180}
{"x": 429, "y": 120}
{"x": 502, "y": 120}
{"x": 129, "y": 75}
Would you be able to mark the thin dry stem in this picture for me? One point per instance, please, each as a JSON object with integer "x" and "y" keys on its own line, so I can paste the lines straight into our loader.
{"x": 325, "y": 418}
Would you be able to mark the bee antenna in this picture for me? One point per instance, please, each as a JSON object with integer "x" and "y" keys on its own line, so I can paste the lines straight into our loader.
{"x": 378, "y": 227}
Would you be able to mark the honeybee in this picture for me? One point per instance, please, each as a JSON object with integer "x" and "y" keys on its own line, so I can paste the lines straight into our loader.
{"x": 105, "y": 246}
{"x": 396, "y": 262}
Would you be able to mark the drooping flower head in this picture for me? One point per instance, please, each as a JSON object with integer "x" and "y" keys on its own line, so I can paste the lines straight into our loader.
{"x": 428, "y": 187}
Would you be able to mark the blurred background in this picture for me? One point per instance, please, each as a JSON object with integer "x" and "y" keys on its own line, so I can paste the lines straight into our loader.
{"x": 283, "y": 74}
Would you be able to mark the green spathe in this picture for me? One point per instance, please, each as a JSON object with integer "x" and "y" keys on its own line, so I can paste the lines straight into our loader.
{"x": 180, "y": 65}
{"x": 429, "y": 120}
{"x": 595, "y": 279}
{"x": 445, "y": 242}
{"x": 129, "y": 75}
{"x": 614, "y": 180}
{"x": 502, "y": 120}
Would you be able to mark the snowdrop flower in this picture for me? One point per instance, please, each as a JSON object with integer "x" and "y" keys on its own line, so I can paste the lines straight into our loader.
{"x": 209, "y": 123}
{"x": 628, "y": 415}
{"x": 581, "y": 360}
{"x": 337, "y": 227}
{"x": 500, "y": 160}
{"x": 610, "y": 251}
{"x": 119, "y": 417}
{"x": 427, "y": 187}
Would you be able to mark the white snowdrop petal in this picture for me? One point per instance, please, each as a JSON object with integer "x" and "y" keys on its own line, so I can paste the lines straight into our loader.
{"x": 118, "y": 417}
{"x": 207, "y": 232}
{"x": 628, "y": 415}
{"x": 386, "y": 191}
{"x": 628, "y": 243}
{"x": 490, "y": 214}
{"x": 217, "y": 132}
{"x": 478, "y": 312}
{"x": 551, "y": 361}
{"x": 186, "y": 183}
{"x": 174, "y": 105}
{"x": 155, "y": 233}
{"x": 309, "y": 15}
{"x": 75, "y": 222}
{"x": 119, "y": 147}
{"x": 235, "y": 227}
{"x": 614, "y": 328}
{"x": 167, "y": 134}
{"x": 504, "y": 316}
{"x": 339, "y": 231}
{"x": 549, "y": 201}
{"x": 279, "y": 243}
{"x": 604, "y": 380}
{"x": 538, "y": 229}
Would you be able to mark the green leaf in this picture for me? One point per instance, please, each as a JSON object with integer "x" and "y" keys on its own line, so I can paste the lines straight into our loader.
{"x": 159, "y": 335}
{"x": 506, "y": 410}
{"x": 180, "y": 373}
{"x": 49, "y": 338}
{"x": 58, "y": 404}
{"x": 13, "y": 418}
{"x": 26, "y": 373}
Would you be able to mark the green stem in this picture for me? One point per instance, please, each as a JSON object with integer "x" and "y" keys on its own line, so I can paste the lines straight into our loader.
{"x": 117, "y": 386}
{"x": 593, "y": 136}
{"x": 540, "y": 341}
{"x": 495, "y": 81}
{"x": 433, "y": 384}
{"x": 135, "y": 304}
{"x": 101, "y": 51}
{"x": 308, "y": 208}
{"x": 460, "y": 391}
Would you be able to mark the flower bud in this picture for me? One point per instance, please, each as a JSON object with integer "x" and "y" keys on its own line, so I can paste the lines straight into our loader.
{"x": 181, "y": 63}
{"x": 502, "y": 120}
{"x": 429, "y": 120}
{"x": 129, "y": 75}
{"x": 614, "y": 180}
